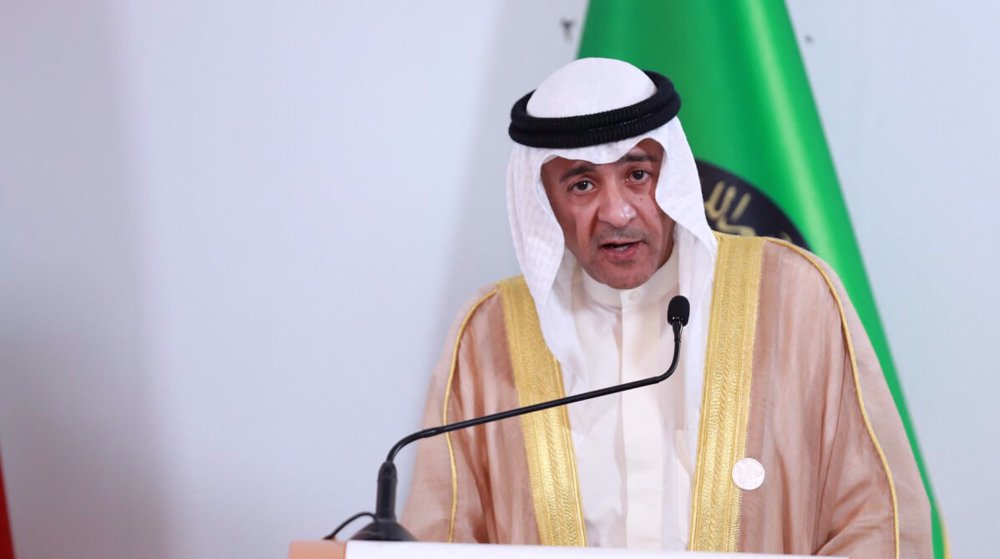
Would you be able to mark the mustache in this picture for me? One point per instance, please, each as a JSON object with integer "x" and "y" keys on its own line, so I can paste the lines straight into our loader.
{"x": 619, "y": 236}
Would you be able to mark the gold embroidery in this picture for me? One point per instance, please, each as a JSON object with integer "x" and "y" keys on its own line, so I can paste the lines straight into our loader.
{"x": 551, "y": 461}
{"x": 857, "y": 383}
{"x": 715, "y": 515}
{"x": 444, "y": 413}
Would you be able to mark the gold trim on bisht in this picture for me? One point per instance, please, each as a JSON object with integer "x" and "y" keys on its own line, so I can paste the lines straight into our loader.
{"x": 725, "y": 409}
{"x": 555, "y": 488}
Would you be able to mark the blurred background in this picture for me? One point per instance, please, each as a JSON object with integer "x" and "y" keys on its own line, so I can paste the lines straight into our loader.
{"x": 233, "y": 236}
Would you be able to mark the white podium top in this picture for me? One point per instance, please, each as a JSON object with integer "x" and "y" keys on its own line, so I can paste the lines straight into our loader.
{"x": 381, "y": 550}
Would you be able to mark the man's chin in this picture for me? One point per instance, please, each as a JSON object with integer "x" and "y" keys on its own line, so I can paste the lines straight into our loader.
{"x": 629, "y": 280}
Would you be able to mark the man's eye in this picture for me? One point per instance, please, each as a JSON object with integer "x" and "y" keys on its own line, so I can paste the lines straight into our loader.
{"x": 582, "y": 186}
{"x": 639, "y": 174}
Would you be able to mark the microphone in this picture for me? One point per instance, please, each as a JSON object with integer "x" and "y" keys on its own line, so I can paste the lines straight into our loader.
{"x": 677, "y": 315}
{"x": 384, "y": 526}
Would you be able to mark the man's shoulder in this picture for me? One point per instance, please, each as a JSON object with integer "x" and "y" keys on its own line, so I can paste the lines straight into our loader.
{"x": 493, "y": 291}
{"x": 793, "y": 269}
{"x": 485, "y": 306}
{"x": 484, "y": 299}
{"x": 778, "y": 250}
{"x": 799, "y": 263}
{"x": 794, "y": 277}
{"x": 784, "y": 261}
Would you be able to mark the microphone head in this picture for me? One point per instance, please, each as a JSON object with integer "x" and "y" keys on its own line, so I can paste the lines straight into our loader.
{"x": 678, "y": 310}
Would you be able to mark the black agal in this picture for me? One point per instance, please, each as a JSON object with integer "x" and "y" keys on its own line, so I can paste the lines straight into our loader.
{"x": 597, "y": 128}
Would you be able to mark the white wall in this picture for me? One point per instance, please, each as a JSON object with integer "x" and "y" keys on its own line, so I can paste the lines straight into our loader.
{"x": 232, "y": 236}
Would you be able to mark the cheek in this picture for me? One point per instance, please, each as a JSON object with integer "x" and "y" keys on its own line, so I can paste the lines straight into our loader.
{"x": 650, "y": 212}
{"x": 567, "y": 223}
{"x": 584, "y": 224}
{"x": 576, "y": 224}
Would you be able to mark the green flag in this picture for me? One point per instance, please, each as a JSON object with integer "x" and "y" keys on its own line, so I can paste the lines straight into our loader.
{"x": 753, "y": 126}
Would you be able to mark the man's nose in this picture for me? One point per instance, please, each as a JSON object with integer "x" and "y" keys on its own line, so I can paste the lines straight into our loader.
{"x": 616, "y": 210}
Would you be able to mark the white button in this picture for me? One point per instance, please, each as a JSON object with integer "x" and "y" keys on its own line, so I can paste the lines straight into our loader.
{"x": 634, "y": 296}
{"x": 748, "y": 474}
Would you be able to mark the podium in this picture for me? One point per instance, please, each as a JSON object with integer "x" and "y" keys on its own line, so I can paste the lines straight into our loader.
{"x": 420, "y": 550}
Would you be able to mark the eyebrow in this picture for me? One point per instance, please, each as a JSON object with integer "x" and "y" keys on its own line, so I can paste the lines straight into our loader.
{"x": 637, "y": 157}
{"x": 581, "y": 169}
{"x": 586, "y": 167}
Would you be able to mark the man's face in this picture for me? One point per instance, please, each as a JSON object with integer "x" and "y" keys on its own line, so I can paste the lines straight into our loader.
{"x": 609, "y": 215}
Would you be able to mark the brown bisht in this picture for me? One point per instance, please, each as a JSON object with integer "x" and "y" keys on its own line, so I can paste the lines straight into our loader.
{"x": 791, "y": 381}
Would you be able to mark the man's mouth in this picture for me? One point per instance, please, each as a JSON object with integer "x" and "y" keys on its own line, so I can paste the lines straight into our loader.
{"x": 619, "y": 247}
{"x": 622, "y": 245}
{"x": 621, "y": 251}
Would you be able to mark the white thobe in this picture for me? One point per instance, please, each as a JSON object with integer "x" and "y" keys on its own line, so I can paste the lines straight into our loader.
{"x": 631, "y": 449}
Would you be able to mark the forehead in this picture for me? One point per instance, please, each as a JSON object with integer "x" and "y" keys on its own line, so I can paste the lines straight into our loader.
{"x": 646, "y": 150}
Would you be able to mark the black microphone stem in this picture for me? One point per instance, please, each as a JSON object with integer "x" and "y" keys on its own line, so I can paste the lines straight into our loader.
{"x": 384, "y": 526}
{"x": 440, "y": 430}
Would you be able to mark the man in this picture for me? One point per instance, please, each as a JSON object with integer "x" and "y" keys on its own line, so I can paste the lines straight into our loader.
{"x": 777, "y": 434}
